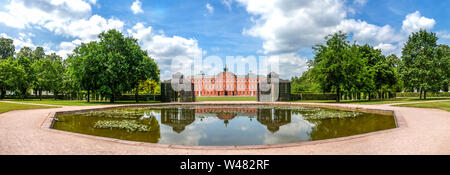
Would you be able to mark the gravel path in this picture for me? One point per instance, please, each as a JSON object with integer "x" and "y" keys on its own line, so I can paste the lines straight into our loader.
{"x": 422, "y": 131}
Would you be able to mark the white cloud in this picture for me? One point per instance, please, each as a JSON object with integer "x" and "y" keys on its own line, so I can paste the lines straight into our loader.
{"x": 288, "y": 26}
{"x": 70, "y": 18}
{"x": 210, "y": 8}
{"x": 166, "y": 49}
{"x": 414, "y": 22}
{"x": 137, "y": 7}
{"x": 85, "y": 29}
{"x": 290, "y": 64}
{"x": 443, "y": 34}
{"x": 66, "y": 48}
{"x": 25, "y": 13}
{"x": 388, "y": 49}
{"x": 365, "y": 33}
{"x": 360, "y": 2}
{"x": 227, "y": 3}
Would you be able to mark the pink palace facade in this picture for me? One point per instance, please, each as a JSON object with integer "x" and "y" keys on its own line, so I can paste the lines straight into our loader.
{"x": 225, "y": 84}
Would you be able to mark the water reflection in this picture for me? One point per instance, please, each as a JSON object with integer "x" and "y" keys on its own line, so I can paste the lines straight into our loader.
{"x": 178, "y": 119}
{"x": 274, "y": 118}
{"x": 226, "y": 125}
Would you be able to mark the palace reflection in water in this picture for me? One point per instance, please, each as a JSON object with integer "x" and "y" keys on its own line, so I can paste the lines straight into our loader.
{"x": 224, "y": 124}
{"x": 179, "y": 118}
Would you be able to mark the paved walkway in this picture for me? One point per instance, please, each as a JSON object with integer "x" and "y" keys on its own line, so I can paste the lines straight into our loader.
{"x": 424, "y": 131}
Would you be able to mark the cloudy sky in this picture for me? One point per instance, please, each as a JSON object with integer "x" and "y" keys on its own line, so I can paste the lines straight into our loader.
{"x": 286, "y": 29}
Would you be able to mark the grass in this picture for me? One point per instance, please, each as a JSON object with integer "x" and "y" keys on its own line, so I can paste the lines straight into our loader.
{"x": 230, "y": 98}
{"x": 444, "y": 105}
{"x": 6, "y": 107}
{"x": 375, "y": 102}
{"x": 225, "y": 98}
{"x": 76, "y": 102}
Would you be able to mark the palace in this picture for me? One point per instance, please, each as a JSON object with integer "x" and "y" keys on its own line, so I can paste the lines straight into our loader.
{"x": 226, "y": 84}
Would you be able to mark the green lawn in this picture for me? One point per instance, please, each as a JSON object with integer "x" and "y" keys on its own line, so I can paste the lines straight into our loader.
{"x": 76, "y": 102}
{"x": 5, "y": 107}
{"x": 225, "y": 98}
{"x": 375, "y": 102}
{"x": 444, "y": 105}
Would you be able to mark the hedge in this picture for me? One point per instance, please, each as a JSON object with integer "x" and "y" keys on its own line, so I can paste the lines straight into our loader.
{"x": 429, "y": 94}
{"x": 324, "y": 96}
{"x": 66, "y": 97}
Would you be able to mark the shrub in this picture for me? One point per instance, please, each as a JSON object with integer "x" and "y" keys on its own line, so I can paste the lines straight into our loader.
{"x": 304, "y": 96}
{"x": 429, "y": 94}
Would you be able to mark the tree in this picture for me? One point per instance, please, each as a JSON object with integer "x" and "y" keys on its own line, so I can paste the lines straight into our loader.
{"x": 327, "y": 64}
{"x": 127, "y": 64}
{"x": 85, "y": 67}
{"x": 149, "y": 87}
{"x": 6, "y": 51}
{"x": 394, "y": 64}
{"x": 38, "y": 53}
{"x": 42, "y": 76}
{"x": 58, "y": 69}
{"x": 7, "y": 48}
{"x": 10, "y": 75}
{"x": 356, "y": 76}
{"x": 444, "y": 54}
{"x": 146, "y": 71}
{"x": 69, "y": 85}
{"x": 49, "y": 75}
{"x": 115, "y": 78}
{"x": 385, "y": 75}
{"x": 305, "y": 83}
{"x": 111, "y": 66}
{"x": 420, "y": 65}
{"x": 25, "y": 52}
{"x": 24, "y": 58}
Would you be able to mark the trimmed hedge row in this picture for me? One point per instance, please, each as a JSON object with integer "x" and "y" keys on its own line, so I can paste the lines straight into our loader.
{"x": 60, "y": 97}
{"x": 429, "y": 94}
{"x": 324, "y": 96}
{"x": 141, "y": 97}
{"x": 63, "y": 97}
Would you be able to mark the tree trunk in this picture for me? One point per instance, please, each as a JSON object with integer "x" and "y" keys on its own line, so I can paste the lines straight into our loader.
{"x": 338, "y": 93}
{"x": 112, "y": 99}
{"x": 23, "y": 94}
{"x": 420, "y": 95}
{"x": 369, "y": 96}
{"x": 3, "y": 93}
{"x": 424, "y": 95}
{"x": 88, "y": 96}
{"x": 136, "y": 95}
{"x": 40, "y": 95}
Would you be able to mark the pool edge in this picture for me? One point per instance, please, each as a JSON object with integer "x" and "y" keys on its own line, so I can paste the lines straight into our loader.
{"x": 400, "y": 122}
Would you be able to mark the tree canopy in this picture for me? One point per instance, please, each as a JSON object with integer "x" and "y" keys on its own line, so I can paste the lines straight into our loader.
{"x": 7, "y": 48}
{"x": 111, "y": 66}
{"x": 424, "y": 64}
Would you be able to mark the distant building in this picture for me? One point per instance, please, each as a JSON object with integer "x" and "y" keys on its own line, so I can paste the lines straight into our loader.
{"x": 226, "y": 84}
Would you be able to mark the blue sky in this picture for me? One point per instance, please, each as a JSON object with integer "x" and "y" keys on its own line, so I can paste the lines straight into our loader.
{"x": 284, "y": 29}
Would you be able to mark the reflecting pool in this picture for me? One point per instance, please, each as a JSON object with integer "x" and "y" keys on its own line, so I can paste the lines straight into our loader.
{"x": 222, "y": 124}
